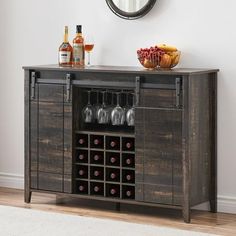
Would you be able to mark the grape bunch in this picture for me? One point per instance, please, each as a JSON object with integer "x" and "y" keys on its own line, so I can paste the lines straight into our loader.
{"x": 150, "y": 57}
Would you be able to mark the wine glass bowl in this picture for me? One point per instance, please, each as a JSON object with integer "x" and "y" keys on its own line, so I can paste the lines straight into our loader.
{"x": 130, "y": 115}
{"x": 88, "y": 111}
{"x": 118, "y": 113}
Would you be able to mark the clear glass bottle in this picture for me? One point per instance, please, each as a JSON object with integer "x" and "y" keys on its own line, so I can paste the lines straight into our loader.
{"x": 65, "y": 51}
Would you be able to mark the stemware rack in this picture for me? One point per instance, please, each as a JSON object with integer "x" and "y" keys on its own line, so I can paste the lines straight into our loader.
{"x": 105, "y": 164}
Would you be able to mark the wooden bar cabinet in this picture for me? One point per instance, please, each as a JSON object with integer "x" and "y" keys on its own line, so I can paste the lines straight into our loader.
{"x": 168, "y": 158}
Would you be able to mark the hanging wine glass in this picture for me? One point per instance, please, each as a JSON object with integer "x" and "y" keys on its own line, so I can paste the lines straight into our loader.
{"x": 97, "y": 106}
{"x": 130, "y": 115}
{"x": 118, "y": 113}
{"x": 126, "y": 106}
{"x": 88, "y": 111}
{"x": 103, "y": 113}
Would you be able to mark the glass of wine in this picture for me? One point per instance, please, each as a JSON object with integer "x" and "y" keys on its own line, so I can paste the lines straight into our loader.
{"x": 88, "y": 47}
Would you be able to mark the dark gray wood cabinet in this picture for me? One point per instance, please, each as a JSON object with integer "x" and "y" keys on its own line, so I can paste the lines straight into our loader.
{"x": 174, "y": 134}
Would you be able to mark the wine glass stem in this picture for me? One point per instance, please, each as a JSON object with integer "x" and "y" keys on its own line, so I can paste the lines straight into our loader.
{"x": 88, "y": 58}
{"x": 89, "y": 97}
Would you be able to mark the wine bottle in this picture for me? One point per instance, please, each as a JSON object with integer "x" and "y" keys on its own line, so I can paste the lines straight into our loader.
{"x": 97, "y": 173}
{"x": 113, "y": 143}
{"x": 78, "y": 47}
{"x": 113, "y": 175}
{"x": 96, "y": 189}
{"x": 65, "y": 51}
{"x": 128, "y": 161}
{"x": 81, "y": 188}
{"x": 81, "y": 172}
{"x": 113, "y": 159}
{"x": 97, "y": 142}
{"x": 81, "y": 141}
{"x": 129, "y": 145}
{"x": 81, "y": 157}
{"x": 128, "y": 193}
{"x": 96, "y": 157}
{"x": 114, "y": 191}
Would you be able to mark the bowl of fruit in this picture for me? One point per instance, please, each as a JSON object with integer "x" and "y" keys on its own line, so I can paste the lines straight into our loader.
{"x": 159, "y": 56}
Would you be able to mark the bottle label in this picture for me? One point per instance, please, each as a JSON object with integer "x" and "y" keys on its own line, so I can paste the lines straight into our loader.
{"x": 78, "y": 53}
{"x": 64, "y": 57}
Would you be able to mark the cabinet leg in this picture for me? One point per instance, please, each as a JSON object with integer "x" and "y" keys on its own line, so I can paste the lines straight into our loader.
{"x": 186, "y": 214}
{"x": 28, "y": 195}
{"x": 213, "y": 206}
{"x": 118, "y": 206}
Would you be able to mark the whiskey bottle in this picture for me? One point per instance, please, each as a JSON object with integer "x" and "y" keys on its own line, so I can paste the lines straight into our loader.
{"x": 65, "y": 51}
{"x": 78, "y": 47}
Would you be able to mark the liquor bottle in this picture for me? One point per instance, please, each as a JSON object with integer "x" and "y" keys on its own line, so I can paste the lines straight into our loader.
{"x": 65, "y": 51}
{"x": 78, "y": 47}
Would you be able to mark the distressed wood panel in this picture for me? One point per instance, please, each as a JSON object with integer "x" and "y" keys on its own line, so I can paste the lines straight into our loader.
{"x": 158, "y": 151}
{"x": 157, "y": 98}
{"x": 199, "y": 139}
{"x": 67, "y": 138}
{"x": 51, "y": 93}
{"x": 177, "y": 182}
{"x": 34, "y": 179}
{"x": 157, "y": 193}
{"x": 50, "y": 182}
{"x": 67, "y": 184}
{"x": 51, "y": 137}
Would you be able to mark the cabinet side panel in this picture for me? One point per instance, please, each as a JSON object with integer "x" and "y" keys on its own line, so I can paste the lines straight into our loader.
{"x": 27, "y": 135}
{"x": 139, "y": 152}
{"x": 199, "y": 142}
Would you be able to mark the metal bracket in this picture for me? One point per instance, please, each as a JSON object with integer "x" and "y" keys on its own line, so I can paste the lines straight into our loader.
{"x": 178, "y": 89}
{"x": 68, "y": 87}
{"x": 33, "y": 82}
{"x": 137, "y": 90}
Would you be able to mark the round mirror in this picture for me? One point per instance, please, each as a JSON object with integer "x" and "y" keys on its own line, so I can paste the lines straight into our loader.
{"x": 130, "y": 9}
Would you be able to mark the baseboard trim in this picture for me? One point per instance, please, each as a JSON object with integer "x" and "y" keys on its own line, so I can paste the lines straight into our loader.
{"x": 226, "y": 204}
{"x": 9, "y": 180}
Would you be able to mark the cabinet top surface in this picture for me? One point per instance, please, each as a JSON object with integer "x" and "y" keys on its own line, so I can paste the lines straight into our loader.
{"x": 124, "y": 69}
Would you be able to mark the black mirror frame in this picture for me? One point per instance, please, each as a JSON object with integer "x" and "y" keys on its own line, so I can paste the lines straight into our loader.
{"x": 131, "y": 16}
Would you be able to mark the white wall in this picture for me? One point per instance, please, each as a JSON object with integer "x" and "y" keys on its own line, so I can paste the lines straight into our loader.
{"x": 31, "y": 32}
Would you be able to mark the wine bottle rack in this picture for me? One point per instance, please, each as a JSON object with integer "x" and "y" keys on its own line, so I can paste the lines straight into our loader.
{"x": 105, "y": 164}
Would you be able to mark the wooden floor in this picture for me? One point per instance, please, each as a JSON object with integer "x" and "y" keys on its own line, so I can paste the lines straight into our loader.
{"x": 220, "y": 224}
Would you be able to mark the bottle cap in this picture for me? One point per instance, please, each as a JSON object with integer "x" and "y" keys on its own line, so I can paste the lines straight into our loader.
{"x": 79, "y": 28}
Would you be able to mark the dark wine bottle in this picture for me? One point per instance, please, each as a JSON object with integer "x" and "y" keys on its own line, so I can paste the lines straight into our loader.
{"x": 113, "y": 191}
{"x": 81, "y": 172}
{"x": 81, "y": 188}
{"x": 113, "y": 143}
{"x": 81, "y": 157}
{"x": 96, "y": 157}
{"x": 81, "y": 141}
{"x": 113, "y": 159}
{"x": 96, "y": 189}
{"x": 113, "y": 175}
{"x": 128, "y": 193}
{"x": 128, "y": 161}
{"x": 97, "y": 142}
{"x": 97, "y": 173}
{"x": 129, "y": 145}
